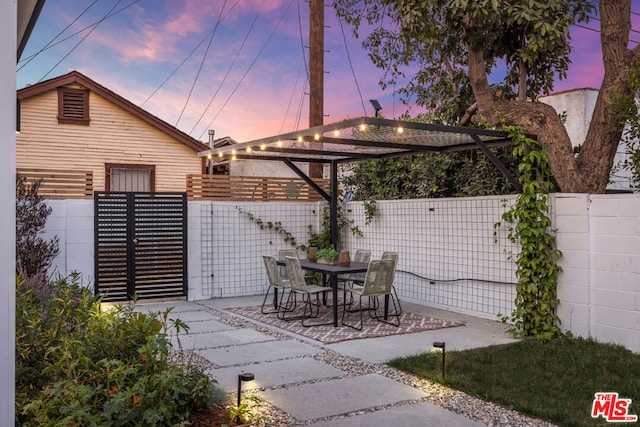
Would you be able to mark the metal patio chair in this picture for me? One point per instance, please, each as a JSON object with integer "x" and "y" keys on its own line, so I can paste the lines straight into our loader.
{"x": 355, "y": 279}
{"x": 276, "y": 281}
{"x": 299, "y": 286}
{"x": 393, "y": 256}
{"x": 377, "y": 283}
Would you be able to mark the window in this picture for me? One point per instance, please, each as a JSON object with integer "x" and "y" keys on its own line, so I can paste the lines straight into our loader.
{"x": 73, "y": 106}
{"x": 125, "y": 177}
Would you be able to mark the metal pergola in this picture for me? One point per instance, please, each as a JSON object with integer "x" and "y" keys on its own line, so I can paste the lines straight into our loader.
{"x": 364, "y": 138}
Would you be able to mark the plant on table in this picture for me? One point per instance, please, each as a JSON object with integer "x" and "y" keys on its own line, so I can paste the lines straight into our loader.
{"x": 329, "y": 254}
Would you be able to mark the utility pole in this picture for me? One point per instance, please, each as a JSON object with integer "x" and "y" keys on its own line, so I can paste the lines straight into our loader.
{"x": 316, "y": 72}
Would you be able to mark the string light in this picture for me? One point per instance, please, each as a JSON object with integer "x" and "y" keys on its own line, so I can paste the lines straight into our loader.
{"x": 300, "y": 139}
{"x": 263, "y": 147}
{"x": 336, "y": 133}
{"x": 248, "y": 149}
{"x": 363, "y": 127}
{"x": 400, "y": 129}
{"x": 233, "y": 157}
{"x": 279, "y": 143}
{"x": 316, "y": 136}
{"x": 233, "y": 152}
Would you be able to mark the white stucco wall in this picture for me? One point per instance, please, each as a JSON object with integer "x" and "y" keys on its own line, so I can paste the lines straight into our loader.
{"x": 8, "y": 31}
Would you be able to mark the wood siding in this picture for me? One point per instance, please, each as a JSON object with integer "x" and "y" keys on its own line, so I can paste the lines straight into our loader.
{"x": 113, "y": 136}
{"x": 252, "y": 188}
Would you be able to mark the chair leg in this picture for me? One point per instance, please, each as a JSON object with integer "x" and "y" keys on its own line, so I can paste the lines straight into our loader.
{"x": 395, "y": 293}
{"x": 265, "y": 301}
{"x": 311, "y": 315}
{"x": 395, "y": 314}
{"x": 288, "y": 307}
{"x": 344, "y": 310}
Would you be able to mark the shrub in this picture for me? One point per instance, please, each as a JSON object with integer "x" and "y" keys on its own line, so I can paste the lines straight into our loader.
{"x": 34, "y": 254}
{"x": 78, "y": 364}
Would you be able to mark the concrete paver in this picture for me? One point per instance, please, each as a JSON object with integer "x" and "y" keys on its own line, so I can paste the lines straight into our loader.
{"x": 272, "y": 374}
{"x": 411, "y": 415}
{"x": 257, "y": 352}
{"x": 222, "y": 338}
{"x": 341, "y": 396}
{"x": 315, "y": 390}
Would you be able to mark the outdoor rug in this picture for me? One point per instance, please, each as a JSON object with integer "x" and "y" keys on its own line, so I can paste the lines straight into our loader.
{"x": 409, "y": 323}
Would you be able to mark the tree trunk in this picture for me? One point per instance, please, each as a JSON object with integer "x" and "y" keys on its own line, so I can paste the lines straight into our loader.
{"x": 589, "y": 171}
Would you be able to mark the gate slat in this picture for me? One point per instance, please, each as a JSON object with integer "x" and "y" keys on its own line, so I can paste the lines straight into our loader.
{"x": 155, "y": 267}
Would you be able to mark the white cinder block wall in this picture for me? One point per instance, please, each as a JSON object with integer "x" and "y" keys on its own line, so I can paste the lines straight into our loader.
{"x": 599, "y": 287}
{"x": 72, "y": 221}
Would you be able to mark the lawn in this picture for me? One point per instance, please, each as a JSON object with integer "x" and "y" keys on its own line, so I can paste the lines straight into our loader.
{"x": 553, "y": 380}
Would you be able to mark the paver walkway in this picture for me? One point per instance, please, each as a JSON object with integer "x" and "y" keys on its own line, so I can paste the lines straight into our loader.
{"x": 343, "y": 384}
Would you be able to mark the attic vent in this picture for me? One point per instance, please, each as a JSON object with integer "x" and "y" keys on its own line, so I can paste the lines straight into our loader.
{"x": 73, "y": 106}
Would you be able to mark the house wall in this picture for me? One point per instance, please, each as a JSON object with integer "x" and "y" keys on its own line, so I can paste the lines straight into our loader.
{"x": 449, "y": 255}
{"x": 264, "y": 168}
{"x": 113, "y": 136}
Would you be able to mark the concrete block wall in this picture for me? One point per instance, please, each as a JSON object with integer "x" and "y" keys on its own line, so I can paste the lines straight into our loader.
{"x": 599, "y": 287}
{"x": 72, "y": 221}
{"x": 599, "y": 235}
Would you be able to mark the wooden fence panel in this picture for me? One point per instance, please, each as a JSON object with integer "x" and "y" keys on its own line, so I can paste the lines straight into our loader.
{"x": 61, "y": 184}
{"x": 251, "y": 188}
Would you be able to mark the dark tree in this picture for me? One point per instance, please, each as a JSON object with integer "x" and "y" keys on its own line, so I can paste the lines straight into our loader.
{"x": 34, "y": 253}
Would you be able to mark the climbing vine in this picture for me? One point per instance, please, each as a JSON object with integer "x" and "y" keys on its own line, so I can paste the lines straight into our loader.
{"x": 319, "y": 239}
{"x": 537, "y": 269}
{"x": 270, "y": 225}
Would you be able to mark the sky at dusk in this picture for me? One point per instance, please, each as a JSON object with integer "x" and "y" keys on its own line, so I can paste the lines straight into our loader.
{"x": 249, "y": 76}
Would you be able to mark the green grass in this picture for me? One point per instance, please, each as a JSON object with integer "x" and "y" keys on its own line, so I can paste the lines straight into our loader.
{"x": 553, "y": 380}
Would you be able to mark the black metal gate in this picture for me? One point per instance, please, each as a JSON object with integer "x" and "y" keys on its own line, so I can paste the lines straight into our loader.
{"x": 140, "y": 245}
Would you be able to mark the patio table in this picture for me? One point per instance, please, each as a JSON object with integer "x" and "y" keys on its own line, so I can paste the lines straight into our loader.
{"x": 333, "y": 271}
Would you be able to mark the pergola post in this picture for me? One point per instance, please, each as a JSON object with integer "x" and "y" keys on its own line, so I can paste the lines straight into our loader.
{"x": 333, "y": 205}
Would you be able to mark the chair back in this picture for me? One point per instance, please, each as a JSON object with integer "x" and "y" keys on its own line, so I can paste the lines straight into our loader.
{"x": 362, "y": 255}
{"x": 273, "y": 274}
{"x": 394, "y": 257}
{"x": 295, "y": 274}
{"x": 379, "y": 278}
{"x": 282, "y": 254}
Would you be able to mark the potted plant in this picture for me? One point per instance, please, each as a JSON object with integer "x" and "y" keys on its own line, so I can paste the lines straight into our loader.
{"x": 327, "y": 256}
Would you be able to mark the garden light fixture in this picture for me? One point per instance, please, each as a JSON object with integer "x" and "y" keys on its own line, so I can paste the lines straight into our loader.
{"x": 440, "y": 344}
{"x": 245, "y": 376}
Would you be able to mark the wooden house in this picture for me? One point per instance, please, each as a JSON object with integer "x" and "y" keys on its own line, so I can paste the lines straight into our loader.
{"x": 80, "y": 137}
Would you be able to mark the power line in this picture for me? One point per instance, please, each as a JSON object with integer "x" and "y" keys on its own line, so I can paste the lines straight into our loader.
{"x": 266, "y": 42}
{"x": 56, "y": 36}
{"x": 293, "y": 92}
{"x": 597, "y": 31}
{"x": 206, "y": 52}
{"x": 81, "y": 40}
{"x": 176, "y": 69}
{"x": 50, "y": 44}
{"x": 353, "y": 73}
{"x": 246, "y": 37}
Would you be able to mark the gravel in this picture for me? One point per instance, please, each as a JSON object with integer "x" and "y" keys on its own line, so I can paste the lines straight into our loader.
{"x": 487, "y": 413}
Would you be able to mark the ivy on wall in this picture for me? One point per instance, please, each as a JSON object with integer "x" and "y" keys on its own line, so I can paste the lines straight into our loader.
{"x": 530, "y": 226}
